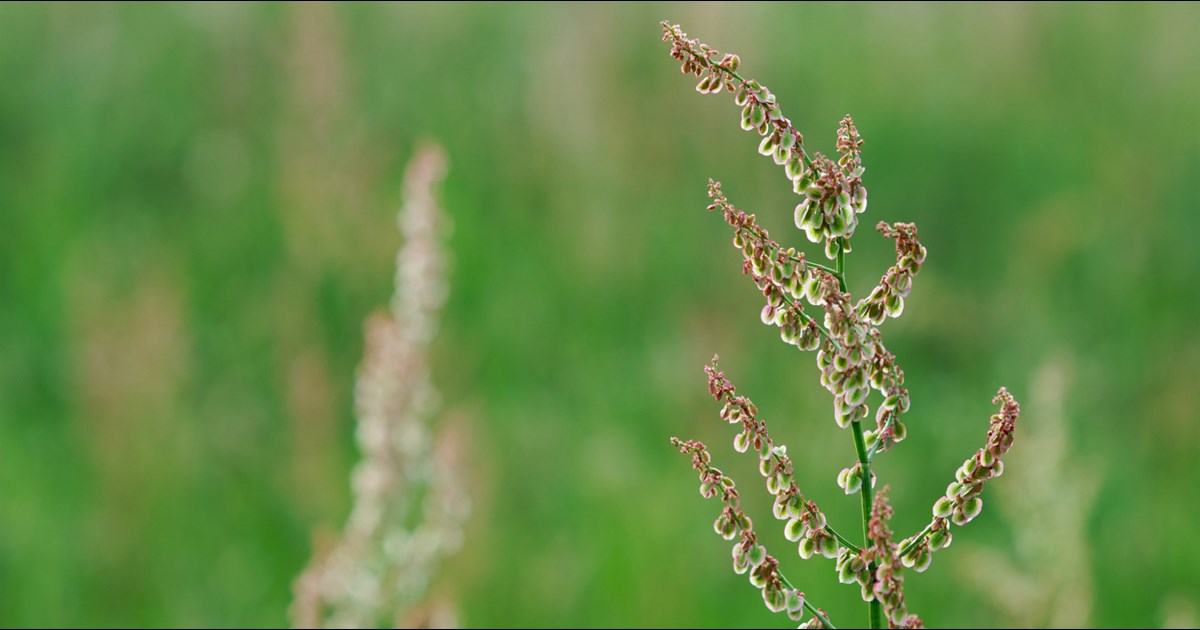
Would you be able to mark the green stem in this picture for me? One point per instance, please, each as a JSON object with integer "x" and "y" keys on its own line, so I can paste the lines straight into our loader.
{"x": 734, "y": 75}
{"x": 874, "y": 609}
{"x": 916, "y": 540}
{"x": 807, "y": 606}
{"x": 842, "y": 539}
{"x": 878, "y": 441}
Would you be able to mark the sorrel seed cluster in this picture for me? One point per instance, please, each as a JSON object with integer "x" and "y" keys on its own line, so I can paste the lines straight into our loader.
{"x": 850, "y": 355}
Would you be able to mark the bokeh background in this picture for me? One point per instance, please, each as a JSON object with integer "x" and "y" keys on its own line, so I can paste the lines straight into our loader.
{"x": 197, "y": 210}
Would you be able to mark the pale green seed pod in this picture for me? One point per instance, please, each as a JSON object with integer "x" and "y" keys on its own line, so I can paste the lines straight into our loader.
{"x": 720, "y": 523}
{"x": 869, "y": 439}
{"x": 837, "y": 224}
{"x": 808, "y": 546}
{"x": 779, "y": 507}
{"x": 902, "y": 283}
{"x": 971, "y": 508}
{"x": 803, "y": 215}
{"x": 894, "y": 305}
{"x": 747, "y": 120}
{"x": 846, "y": 575}
{"x": 768, "y": 315}
{"x": 756, "y": 554}
{"x": 794, "y": 530}
{"x": 852, "y": 481}
{"x": 813, "y": 234}
{"x": 856, "y": 395}
{"x": 876, "y": 313}
{"x": 730, "y": 531}
{"x": 758, "y": 117}
{"x": 740, "y": 563}
{"x": 774, "y": 113}
{"x": 768, "y": 144}
{"x": 794, "y": 602}
{"x": 795, "y": 170}
{"x": 831, "y": 247}
{"x": 774, "y": 598}
{"x": 924, "y": 559}
{"x": 741, "y": 97}
{"x": 787, "y": 141}
{"x": 781, "y": 155}
{"x": 829, "y": 547}
{"x": 741, "y": 442}
{"x": 812, "y": 339}
{"x": 757, "y": 576}
{"x": 942, "y": 507}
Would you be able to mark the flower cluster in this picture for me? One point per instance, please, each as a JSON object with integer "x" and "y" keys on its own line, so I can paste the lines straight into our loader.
{"x": 887, "y": 299}
{"x": 889, "y": 572}
{"x": 806, "y": 524}
{"x": 748, "y": 554}
{"x": 783, "y": 275}
{"x": 962, "y": 502}
{"x": 409, "y": 504}
{"x": 833, "y": 192}
{"x": 851, "y": 356}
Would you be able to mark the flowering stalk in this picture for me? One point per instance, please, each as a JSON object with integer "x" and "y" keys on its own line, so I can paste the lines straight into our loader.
{"x": 409, "y": 504}
{"x": 748, "y": 554}
{"x": 851, "y": 356}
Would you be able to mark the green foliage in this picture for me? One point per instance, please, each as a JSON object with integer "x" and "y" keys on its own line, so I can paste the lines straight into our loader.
{"x": 196, "y": 209}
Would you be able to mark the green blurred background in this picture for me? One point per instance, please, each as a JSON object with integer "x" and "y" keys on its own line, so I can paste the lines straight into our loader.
{"x": 196, "y": 215}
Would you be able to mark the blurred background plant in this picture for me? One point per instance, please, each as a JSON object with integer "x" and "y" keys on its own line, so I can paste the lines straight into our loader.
{"x": 409, "y": 504}
{"x": 193, "y": 202}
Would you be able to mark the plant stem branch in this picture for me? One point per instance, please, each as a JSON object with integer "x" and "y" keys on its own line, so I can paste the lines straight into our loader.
{"x": 878, "y": 440}
{"x": 807, "y": 606}
{"x": 875, "y": 610}
{"x": 916, "y": 540}
{"x": 734, "y": 75}
{"x": 842, "y": 539}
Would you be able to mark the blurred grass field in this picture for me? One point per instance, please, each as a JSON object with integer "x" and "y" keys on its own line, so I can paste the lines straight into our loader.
{"x": 197, "y": 207}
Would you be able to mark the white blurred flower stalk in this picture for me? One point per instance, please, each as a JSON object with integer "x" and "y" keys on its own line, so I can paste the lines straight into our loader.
{"x": 409, "y": 504}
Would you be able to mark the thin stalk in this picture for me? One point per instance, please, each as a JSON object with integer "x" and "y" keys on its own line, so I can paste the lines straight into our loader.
{"x": 867, "y": 491}
{"x": 916, "y": 540}
{"x": 734, "y": 75}
{"x": 878, "y": 441}
{"x": 842, "y": 539}
{"x": 807, "y": 606}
